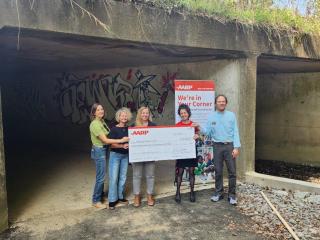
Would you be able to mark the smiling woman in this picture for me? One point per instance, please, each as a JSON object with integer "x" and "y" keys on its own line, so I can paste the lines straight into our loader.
{"x": 98, "y": 132}
{"x": 143, "y": 119}
{"x": 185, "y": 113}
{"x": 119, "y": 159}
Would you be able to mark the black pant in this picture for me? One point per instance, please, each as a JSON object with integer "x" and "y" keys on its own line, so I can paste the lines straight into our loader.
{"x": 224, "y": 153}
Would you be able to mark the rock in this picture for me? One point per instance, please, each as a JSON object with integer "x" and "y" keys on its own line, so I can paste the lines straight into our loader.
{"x": 292, "y": 221}
{"x": 301, "y": 195}
{"x": 280, "y": 192}
{"x": 314, "y": 199}
{"x": 300, "y": 209}
{"x": 315, "y": 231}
{"x": 300, "y": 234}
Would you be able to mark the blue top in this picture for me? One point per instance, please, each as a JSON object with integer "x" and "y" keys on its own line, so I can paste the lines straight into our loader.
{"x": 223, "y": 127}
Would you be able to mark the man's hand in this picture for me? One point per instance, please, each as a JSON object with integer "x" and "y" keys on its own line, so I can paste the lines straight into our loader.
{"x": 235, "y": 153}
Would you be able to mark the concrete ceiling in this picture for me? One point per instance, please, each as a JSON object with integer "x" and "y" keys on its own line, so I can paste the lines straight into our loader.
{"x": 44, "y": 51}
{"x": 275, "y": 64}
{"x": 51, "y": 51}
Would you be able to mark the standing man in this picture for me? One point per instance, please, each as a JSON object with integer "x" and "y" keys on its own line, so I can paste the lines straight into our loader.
{"x": 223, "y": 129}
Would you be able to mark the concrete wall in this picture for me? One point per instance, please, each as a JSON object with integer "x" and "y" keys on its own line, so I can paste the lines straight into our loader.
{"x": 54, "y": 109}
{"x": 3, "y": 191}
{"x": 288, "y": 113}
{"x": 247, "y": 112}
{"x": 141, "y": 23}
{"x": 48, "y": 105}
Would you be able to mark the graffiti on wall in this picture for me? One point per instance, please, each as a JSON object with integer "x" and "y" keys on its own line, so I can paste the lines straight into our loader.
{"x": 75, "y": 95}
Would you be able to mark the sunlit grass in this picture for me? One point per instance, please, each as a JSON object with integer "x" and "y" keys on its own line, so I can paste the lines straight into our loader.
{"x": 259, "y": 15}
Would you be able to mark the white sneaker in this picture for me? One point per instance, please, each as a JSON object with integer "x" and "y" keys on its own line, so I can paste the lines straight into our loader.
{"x": 232, "y": 200}
{"x": 216, "y": 198}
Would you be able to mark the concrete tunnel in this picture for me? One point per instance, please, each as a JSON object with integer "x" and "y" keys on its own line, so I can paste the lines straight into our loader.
{"x": 50, "y": 78}
{"x": 48, "y": 87}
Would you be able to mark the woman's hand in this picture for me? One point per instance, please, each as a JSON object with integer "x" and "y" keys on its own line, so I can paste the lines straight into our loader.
{"x": 124, "y": 139}
{"x": 196, "y": 136}
{"x": 194, "y": 124}
{"x": 126, "y": 145}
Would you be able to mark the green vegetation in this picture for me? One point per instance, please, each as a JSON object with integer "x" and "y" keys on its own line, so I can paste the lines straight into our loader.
{"x": 261, "y": 13}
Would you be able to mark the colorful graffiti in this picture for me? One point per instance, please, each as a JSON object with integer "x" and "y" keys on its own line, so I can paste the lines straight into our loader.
{"x": 75, "y": 95}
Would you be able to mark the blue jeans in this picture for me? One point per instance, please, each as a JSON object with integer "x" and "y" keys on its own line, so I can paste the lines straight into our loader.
{"x": 98, "y": 154}
{"x": 118, "y": 167}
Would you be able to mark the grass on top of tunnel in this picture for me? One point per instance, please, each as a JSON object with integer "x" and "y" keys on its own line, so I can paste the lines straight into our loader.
{"x": 259, "y": 14}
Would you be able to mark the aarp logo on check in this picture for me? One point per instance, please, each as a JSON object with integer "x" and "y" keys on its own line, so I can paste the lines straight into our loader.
{"x": 140, "y": 132}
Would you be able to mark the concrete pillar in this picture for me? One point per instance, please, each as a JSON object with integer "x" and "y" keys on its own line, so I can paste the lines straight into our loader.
{"x": 3, "y": 190}
{"x": 247, "y": 114}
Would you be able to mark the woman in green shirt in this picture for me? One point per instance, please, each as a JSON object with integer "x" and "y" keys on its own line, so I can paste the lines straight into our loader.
{"x": 98, "y": 133}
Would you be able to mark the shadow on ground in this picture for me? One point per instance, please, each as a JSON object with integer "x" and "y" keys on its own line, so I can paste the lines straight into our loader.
{"x": 166, "y": 220}
{"x": 288, "y": 170}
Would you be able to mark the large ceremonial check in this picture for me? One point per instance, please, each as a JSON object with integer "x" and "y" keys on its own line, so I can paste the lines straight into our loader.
{"x": 161, "y": 143}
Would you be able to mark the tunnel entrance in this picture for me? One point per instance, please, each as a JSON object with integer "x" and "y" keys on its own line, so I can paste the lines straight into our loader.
{"x": 287, "y": 126}
{"x": 48, "y": 87}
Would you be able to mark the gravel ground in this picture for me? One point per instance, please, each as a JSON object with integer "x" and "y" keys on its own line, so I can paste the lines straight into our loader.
{"x": 301, "y": 210}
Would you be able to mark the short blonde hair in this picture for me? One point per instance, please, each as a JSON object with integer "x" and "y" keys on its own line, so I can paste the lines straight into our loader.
{"x": 123, "y": 110}
{"x": 138, "y": 118}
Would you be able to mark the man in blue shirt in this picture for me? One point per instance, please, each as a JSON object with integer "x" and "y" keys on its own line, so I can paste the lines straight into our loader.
{"x": 223, "y": 129}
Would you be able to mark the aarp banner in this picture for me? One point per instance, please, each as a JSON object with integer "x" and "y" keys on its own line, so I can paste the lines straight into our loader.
{"x": 198, "y": 95}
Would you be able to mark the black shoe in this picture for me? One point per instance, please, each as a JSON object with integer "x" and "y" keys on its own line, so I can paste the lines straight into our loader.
{"x": 112, "y": 205}
{"x": 122, "y": 202}
{"x": 192, "y": 197}
{"x": 178, "y": 198}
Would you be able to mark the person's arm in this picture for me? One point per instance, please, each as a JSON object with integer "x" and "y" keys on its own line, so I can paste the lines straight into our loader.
{"x": 120, "y": 145}
{"x": 107, "y": 140}
{"x": 196, "y": 127}
{"x": 207, "y": 131}
{"x": 236, "y": 140}
{"x": 196, "y": 136}
{"x": 114, "y": 134}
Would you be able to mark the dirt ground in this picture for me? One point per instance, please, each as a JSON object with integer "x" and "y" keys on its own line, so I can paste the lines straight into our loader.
{"x": 51, "y": 182}
{"x": 166, "y": 220}
{"x": 49, "y": 196}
